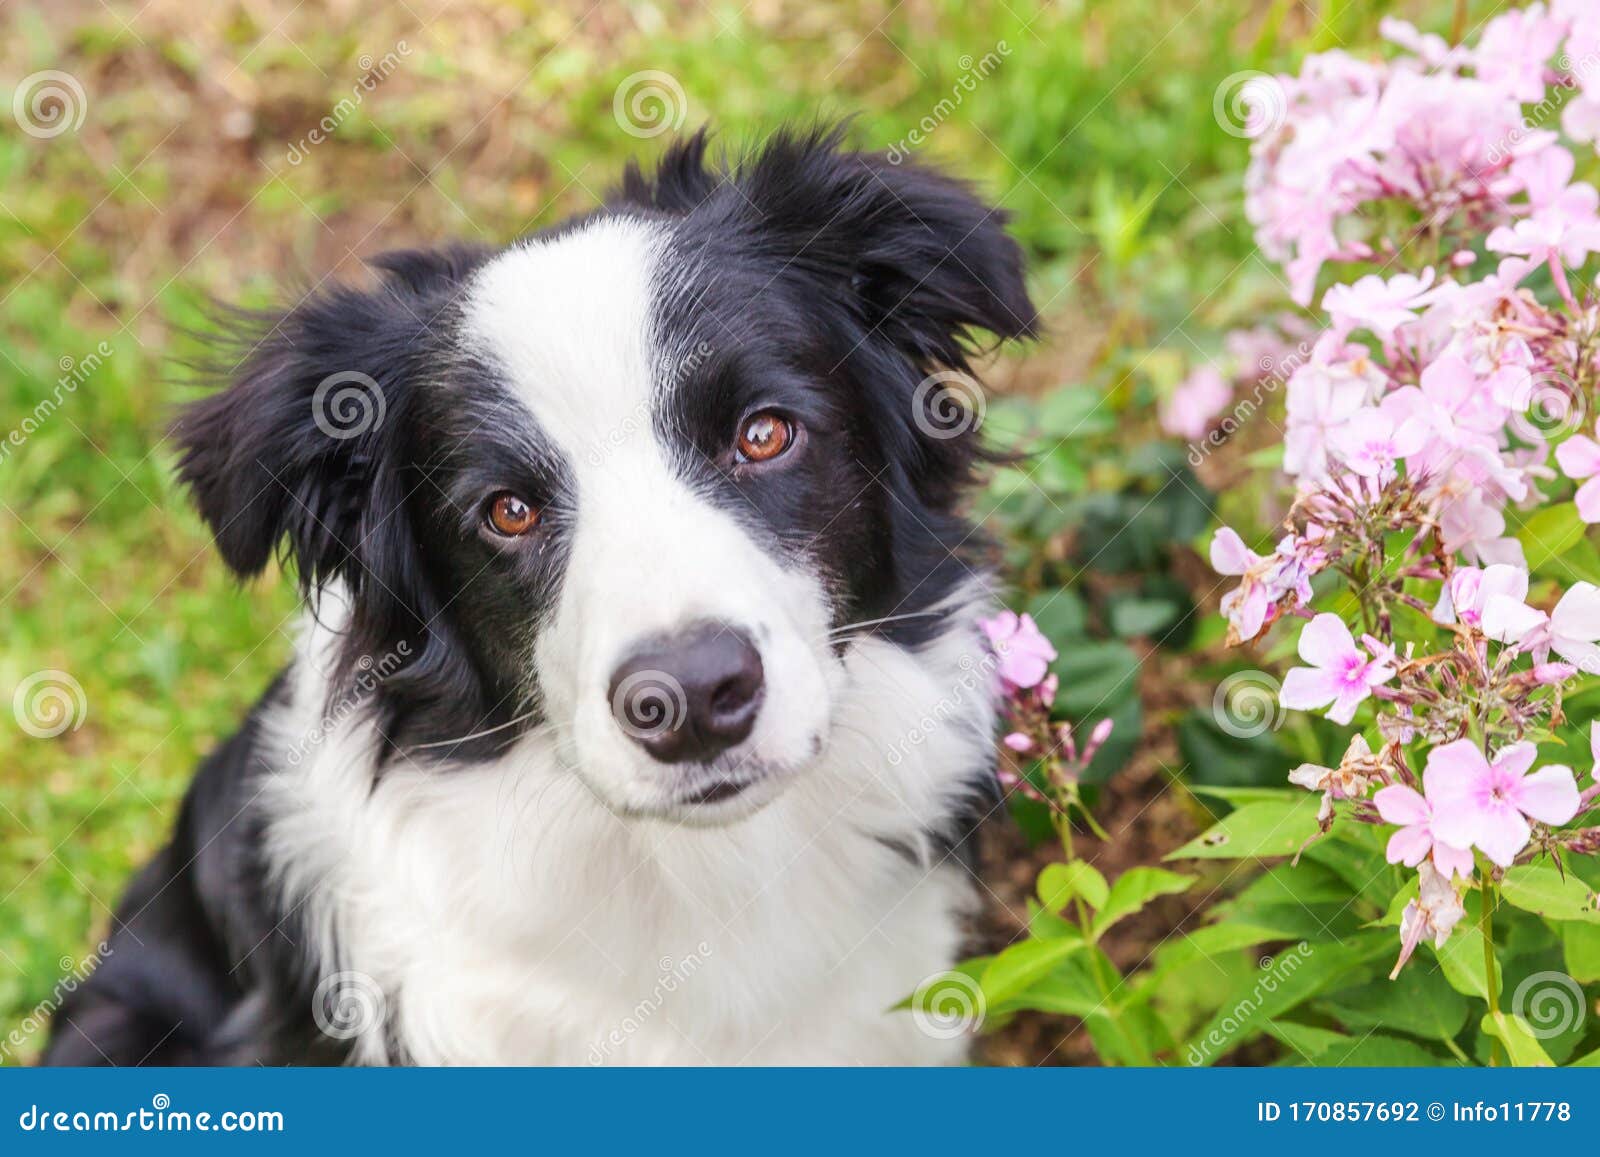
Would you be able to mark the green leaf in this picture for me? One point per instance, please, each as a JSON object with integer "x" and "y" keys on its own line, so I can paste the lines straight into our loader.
{"x": 1550, "y": 533}
{"x": 1378, "y": 1050}
{"x": 1068, "y": 991}
{"x": 1306, "y": 1040}
{"x": 1059, "y": 614}
{"x": 1214, "y": 756}
{"x": 1521, "y": 1045}
{"x": 1542, "y": 889}
{"x": 1397, "y": 906}
{"x": 1093, "y": 677}
{"x": 1461, "y": 958}
{"x": 1058, "y": 883}
{"x": 1133, "y": 890}
{"x": 1295, "y": 976}
{"x": 1075, "y": 412}
{"x": 1237, "y": 795}
{"x": 1256, "y": 830}
{"x": 1414, "y": 1002}
{"x": 925, "y": 997}
{"x": 1204, "y": 943}
{"x": 1134, "y": 618}
{"x": 1018, "y": 967}
{"x": 1580, "y": 947}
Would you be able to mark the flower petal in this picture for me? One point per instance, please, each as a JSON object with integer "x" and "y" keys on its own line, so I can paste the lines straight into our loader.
{"x": 1509, "y": 620}
{"x": 1502, "y": 833}
{"x": 1399, "y": 804}
{"x": 1502, "y": 579}
{"x": 1229, "y": 555}
{"x": 1409, "y": 845}
{"x": 1549, "y": 795}
{"x": 1452, "y": 770}
{"x": 1455, "y": 822}
{"x": 1325, "y": 641}
{"x": 1307, "y": 688}
{"x": 1579, "y": 457}
{"x": 1515, "y": 759}
{"x": 1452, "y": 861}
{"x": 1577, "y": 615}
{"x": 1587, "y": 500}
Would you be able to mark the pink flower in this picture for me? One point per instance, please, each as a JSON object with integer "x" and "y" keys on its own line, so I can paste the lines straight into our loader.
{"x": 1378, "y": 305}
{"x": 1434, "y": 913}
{"x": 1470, "y": 591}
{"x": 1017, "y": 741}
{"x": 1229, "y": 554}
{"x": 1488, "y": 805}
{"x": 1571, "y": 630}
{"x": 1476, "y": 528}
{"x": 1514, "y": 49}
{"x": 1372, "y": 442}
{"x": 1247, "y": 605}
{"x": 1579, "y": 458}
{"x": 1340, "y": 673}
{"x": 1399, "y": 804}
{"x": 1321, "y": 397}
{"x": 1203, "y": 395}
{"x": 1025, "y": 654}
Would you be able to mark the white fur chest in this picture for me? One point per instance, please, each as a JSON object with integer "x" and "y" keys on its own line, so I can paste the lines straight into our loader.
{"x": 506, "y": 916}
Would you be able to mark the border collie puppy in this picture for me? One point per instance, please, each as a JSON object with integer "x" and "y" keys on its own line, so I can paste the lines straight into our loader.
{"x": 639, "y": 708}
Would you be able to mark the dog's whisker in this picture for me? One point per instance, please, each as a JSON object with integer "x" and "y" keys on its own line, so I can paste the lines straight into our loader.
{"x": 526, "y": 715}
{"x": 864, "y": 623}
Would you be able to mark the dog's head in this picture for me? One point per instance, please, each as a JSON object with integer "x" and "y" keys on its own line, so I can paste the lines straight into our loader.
{"x": 634, "y": 479}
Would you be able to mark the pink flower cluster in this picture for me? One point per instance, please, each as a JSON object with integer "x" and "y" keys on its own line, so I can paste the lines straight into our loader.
{"x": 1420, "y": 429}
{"x": 1022, "y": 657}
{"x": 1438, "y": 128}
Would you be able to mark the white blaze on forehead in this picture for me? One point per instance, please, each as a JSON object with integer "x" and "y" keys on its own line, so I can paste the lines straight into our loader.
{"x": 569, "y": 320}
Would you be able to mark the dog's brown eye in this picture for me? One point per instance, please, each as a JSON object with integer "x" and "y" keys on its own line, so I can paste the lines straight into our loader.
{"x": 510, "y": 516}
{"x": 764, "y": 437}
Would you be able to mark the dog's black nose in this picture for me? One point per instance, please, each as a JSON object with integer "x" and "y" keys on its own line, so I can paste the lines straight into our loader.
{"x": 691, "y": 695}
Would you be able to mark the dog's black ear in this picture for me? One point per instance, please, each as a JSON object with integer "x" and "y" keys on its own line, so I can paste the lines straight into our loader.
{"x": 927, "y": 262}
{"x": 299, "y": 451}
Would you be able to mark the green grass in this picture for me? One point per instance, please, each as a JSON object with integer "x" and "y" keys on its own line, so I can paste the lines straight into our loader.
{"x": 1095, "y": 129}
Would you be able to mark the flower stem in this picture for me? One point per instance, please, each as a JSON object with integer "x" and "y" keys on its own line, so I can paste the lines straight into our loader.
{"x": 1490, "y": 980}
{"x": 1097, "y": 962}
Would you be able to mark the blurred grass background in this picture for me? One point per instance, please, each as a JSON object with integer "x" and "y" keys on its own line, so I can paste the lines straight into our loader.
{"x": 192, "y": 176}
